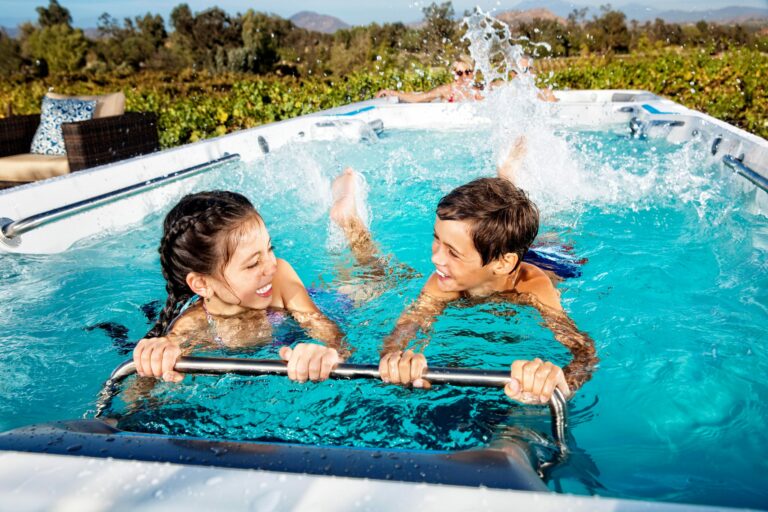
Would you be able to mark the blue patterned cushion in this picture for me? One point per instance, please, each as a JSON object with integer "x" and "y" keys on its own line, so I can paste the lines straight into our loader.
{"x": 48, "y": 139}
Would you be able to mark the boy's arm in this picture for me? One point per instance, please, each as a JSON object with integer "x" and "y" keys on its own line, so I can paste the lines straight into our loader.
{"x": 546, "y": 299}
{"x": 398, "y": 365}
{"x": 294, "y": 297}
{"x": 582, "y": 347}
{"x": 419, "y": 316}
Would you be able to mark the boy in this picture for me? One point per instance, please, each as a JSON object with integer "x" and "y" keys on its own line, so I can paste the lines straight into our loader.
{"x": 482, "y": 231}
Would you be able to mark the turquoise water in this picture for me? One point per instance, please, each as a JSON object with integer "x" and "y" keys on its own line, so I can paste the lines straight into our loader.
{"x": 674, "y": 293}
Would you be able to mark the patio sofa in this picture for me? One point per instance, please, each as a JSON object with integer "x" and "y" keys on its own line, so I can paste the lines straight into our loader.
{"x": 110, "y": 136}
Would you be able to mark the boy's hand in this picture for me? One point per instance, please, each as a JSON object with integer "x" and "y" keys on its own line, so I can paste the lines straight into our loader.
{"x": 308, "y": 361}
{"x": 156, "y": 357}
{"x": 404, "y": 368}
{"x": 533, "y": 382}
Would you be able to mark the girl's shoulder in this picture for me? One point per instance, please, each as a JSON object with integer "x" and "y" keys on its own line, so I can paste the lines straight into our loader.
{"x": 285, "y": 274}
{"x": 284, "y": 283}
{"x": 190, "y": 320}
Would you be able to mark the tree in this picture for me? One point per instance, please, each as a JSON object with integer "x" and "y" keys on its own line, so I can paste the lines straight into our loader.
{"x": 609, "y": 32}
{"x": 261, "y": 35}
{"x": 152, "y": 29}
{"x": 182, "y": 20}
{"x": 206, "y": 34}
{"x": 10, "y": 57}
{"x": 552, "y": 32}
{"x": 133, "y": 45}
{"x": 439, "y": 29}
{"x": 55, "y": 14}
{"x": 62, "y": 47}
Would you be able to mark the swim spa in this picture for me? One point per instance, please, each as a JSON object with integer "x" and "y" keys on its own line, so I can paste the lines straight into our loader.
{"x": 664, "y": 203}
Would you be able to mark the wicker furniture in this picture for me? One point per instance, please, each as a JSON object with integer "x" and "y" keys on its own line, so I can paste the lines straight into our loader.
{"x": 88, "y": 143}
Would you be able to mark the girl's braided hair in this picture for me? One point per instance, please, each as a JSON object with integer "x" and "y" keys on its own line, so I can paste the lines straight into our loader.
{"x": 200, "y": 235}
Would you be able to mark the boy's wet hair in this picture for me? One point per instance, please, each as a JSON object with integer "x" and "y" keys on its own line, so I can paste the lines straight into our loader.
{"x": 200, "y": 234}
{"x": 502, "y": 217}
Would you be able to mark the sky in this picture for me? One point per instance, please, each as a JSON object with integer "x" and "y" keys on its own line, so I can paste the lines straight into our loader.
{"x": 86, "y": 12}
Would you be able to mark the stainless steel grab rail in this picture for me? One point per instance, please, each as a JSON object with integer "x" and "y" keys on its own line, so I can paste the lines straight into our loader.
{"x": 10, "y": 230}
{"x": 255, "y": 367}
{"x": 739, "y": 168}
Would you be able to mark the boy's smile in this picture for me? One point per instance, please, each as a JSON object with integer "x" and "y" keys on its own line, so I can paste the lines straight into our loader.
{"x": 458, "y": 265}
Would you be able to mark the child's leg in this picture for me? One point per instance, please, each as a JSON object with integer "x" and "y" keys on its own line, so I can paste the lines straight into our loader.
{"x": 379, "y": 269}
{"x": 511, "y": 165}
{"x": 344, "y": 214}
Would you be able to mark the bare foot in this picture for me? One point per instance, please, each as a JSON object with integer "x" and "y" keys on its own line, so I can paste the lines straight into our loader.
{"x": 344, "y": 209}
{"x": 514, "y": 159}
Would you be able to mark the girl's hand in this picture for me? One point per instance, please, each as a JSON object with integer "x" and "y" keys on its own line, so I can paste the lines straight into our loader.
{"x": 404, "y": 368}
{"x": 533, "y": 382}
{"x": 156, "y": 357}
{"x": 308, "y": 361}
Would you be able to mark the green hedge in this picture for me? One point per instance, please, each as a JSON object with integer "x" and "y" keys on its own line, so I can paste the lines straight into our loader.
{"x": 193, "y": 105}
{"x": 729, "y": 86}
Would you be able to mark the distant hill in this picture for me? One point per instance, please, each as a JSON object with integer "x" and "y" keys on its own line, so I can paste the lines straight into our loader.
{"x": 732, "y": 14}
{"x": 557, "y": 7}
{"x": 90, "y": 33}
{"x": 515, "y": 17}
{"x": 318, "y": 22}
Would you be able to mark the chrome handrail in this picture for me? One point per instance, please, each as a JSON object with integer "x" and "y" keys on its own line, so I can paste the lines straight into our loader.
{"x": 254, "y": 367}
{"x": 739, "y": 168}
{"x": 10, "y": 229}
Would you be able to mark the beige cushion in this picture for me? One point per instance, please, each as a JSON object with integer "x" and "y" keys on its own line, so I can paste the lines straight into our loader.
{"x": 106, "y": 104}
{"x": 32, "y": 167}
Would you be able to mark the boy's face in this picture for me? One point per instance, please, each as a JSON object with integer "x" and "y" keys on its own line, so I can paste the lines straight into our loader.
{"x": 459, "y": 266}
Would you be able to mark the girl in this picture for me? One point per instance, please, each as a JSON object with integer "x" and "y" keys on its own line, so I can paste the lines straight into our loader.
{"x": 225, "y": 284}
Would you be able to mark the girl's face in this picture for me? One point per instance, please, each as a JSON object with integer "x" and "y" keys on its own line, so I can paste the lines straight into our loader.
{"x": 247, "y": 277}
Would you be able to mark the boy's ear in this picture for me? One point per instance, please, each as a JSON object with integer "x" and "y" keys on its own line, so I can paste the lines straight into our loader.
{"x": 199, "y": 284}
{"x": 506, "y": 263}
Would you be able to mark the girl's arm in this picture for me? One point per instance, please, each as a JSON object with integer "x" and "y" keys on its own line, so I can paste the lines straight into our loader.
{"x": 293, "y": 296}
{"x": 156, "y": 357}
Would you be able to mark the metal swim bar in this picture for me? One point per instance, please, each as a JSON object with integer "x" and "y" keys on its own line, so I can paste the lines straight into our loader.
{"x": 256, "y": 367}
{"x": 10, "y": 230}
{"x": 738, "y": 167}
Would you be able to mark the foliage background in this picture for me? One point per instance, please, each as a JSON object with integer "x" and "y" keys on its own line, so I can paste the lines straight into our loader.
{"x": 215, "y": 73}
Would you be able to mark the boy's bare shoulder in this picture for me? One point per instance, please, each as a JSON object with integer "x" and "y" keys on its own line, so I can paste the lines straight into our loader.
{"x": 433, "y": 290}
{"x": 532, "y": 280}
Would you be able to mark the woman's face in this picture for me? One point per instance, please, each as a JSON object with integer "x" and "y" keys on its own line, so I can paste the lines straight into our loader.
{"x": 462, "y": 73}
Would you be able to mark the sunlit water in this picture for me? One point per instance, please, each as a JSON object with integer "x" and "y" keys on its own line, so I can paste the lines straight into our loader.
{"x": 674, "y": 294}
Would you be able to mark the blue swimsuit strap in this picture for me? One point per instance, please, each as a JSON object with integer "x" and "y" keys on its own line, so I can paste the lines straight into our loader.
{"x": 183, "y": 309}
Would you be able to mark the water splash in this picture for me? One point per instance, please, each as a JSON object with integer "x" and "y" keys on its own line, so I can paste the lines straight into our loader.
{"x": 563, "y": 171}
{"x": 493, "y": 49}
